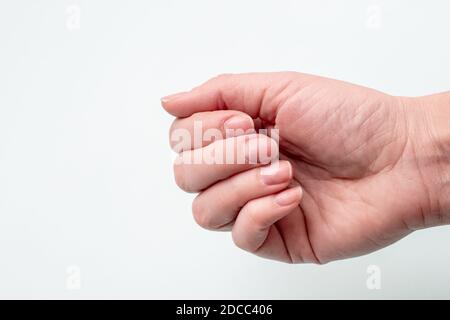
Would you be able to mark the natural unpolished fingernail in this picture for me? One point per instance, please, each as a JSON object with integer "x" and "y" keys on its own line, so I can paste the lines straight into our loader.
{"x": 239, "y": 122}
{"x": 289, "y": 196}
{"x": 172, "y": 97}
{"x": 276, "y": 173}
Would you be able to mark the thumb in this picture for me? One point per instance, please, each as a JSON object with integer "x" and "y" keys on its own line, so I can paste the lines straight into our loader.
{"x": 253, "y": 93}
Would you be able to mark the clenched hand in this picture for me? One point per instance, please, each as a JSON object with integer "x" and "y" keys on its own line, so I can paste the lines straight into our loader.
{"x": 358, "y": 169}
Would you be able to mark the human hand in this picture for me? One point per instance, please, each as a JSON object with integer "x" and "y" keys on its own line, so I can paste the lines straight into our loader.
{"x": 357, "y": 172}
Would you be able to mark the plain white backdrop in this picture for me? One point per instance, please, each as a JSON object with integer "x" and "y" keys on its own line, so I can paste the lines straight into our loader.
{"x": 88, "y": 206}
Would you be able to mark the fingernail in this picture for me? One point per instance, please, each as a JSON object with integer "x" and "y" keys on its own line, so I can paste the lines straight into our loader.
{"x": 289, "y": 196}
{"x": 276, "y": 173}
{"x": 172, "y": 96}
{"x": 238, "y": 122}
{"x": 237, "y": 126}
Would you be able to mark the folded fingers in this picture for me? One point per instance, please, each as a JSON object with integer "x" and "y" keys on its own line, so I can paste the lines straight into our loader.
{"x": 200, "y": 168}
{"x": 217, "y": 207}
{"x": 254, "y": 229}
{"x": 201, "y": 129}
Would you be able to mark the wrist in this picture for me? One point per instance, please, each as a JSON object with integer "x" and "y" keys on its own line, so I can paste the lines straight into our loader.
{"x": 429, "y": 133}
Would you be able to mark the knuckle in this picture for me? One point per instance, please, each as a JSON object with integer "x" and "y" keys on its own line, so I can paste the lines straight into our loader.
{"x": 220, "y": 78}
{"x": 181, "y": 179}
{"x": 199, "y": 213}
{"x": 295, "y": 257}
{"x": 234, "y": 191}
{"x": 173, "y": 130}
{"x": 223, "y": 76}
{"x": 241, "y": 242}
{"x": 238, "y": 241}
{"x": 179, "y": 137}
{"x": 252, "y": 214}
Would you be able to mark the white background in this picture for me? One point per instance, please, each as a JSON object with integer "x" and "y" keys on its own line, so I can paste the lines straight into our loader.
{"x": 85, "y": 168}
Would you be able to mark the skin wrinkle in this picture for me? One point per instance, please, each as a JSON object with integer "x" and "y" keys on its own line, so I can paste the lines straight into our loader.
{"x": 303, "y": 102}
{"x": 251, "y": 214}
{"x": 358, "y": 199}
{"x": 369, "y": 117}
{"x": 292, "y": 253}
{"x": 288, "y": 253}
{"x": 424, "y": 219}
{"x": 316, "y": 166}
{"x": 441, "y": 215}
{"x": 262, "y": 98}
{"x": 264, "y": 114}
{"x": 319, "y": 207}
{"x": 258, "y": 248}
{"x": 377, "y": 154}
{"x": 350, "y": 153}
{"x": 302, "y": 154}
{"x": 236, "y": 196}
{"x": 280, "y": 233}
{"x": 220, "y": 101}
{"x": 402, "y": 146}
{"x": 318, "y": 212}
{"x": 335, "y": 113}
{"x": 331, "y": 231}
{"x": 372, "y": 165}
{"x": 442, "y": 161}
{"x": 367, "y": 172}
{"x": 416, "y": 163}
{"x": 365, "y": 121}
{"x": 373, "y": 206}
{"x": 306, "y": 224}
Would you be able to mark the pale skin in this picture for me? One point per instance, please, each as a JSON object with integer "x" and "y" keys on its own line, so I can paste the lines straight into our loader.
{"x": 359, "y": 169}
